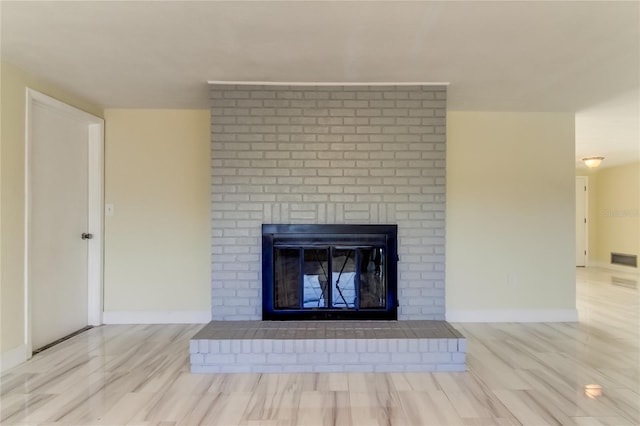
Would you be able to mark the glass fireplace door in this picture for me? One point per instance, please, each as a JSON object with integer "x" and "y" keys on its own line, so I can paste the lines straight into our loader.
{"x": 311, "y": 278}
{"x": 329, "y": 272}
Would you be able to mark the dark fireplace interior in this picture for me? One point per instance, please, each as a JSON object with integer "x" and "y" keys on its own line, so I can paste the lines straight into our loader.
{"x": 329, "y": 272}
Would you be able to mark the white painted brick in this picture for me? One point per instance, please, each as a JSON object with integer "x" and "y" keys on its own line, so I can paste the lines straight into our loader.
{"x": 433, "y": 345}
{"x": 250, "y": 358}
{"x": 313, "y": 358}
{"x": 266, "y": 368}
{"x": 350, "y": 346}
{"x": 374, "y": 357}
{"x": 277, "y": 346}
{"x": 372, "y": 345}
{"x": 452, "y": 345}
{"x": 294, "y": 368}
{"x": 361, "y": 216}
{"x": 415, "y": 368}
{"x": 196, "y": 359}
{"x": 267, "y": 345}
{"x": 331, "y": 345}
{"x": 361, "y": 345}
{"x": 392, "y": 345}
{"x": 330, "y": 148}
{"x": 214, "y": 346}
{"x": 205, "y": 368}
{"x": 341, "y": 345}
{"x": 359, "y": 368}
{"x": 219, "y": 359}
{"x": 383, "y": 345}
{"x": 403, "y": 345}
{"x": 288, "y": 346}
{"x": 309, "y": 346}
{"x": 459, "y": 358}
{"x": 391, "y": 368}
{"x": 246, "y": 346}
{"x": 328, "y": 368}
{"x": 281, "y": 358}
{"x": 413, "y": 345}
{"x": 443, "y": 345}
{"x": 405, "y": 358}
{"x": 230, "y": 368}
{"x": 437, "y": 358}
{"x": 299, "y": 346}
{"x": 236, "y": 346}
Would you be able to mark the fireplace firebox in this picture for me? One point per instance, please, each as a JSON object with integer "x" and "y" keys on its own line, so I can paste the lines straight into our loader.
{"x": 329, "y": 272}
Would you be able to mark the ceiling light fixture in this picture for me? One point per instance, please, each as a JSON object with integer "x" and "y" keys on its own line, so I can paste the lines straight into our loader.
{"x": 592, "y": 162}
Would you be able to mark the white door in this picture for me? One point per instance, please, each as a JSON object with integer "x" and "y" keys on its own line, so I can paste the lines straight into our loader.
{"x": 58, "y": 216}
{"x": 581, "y": 220}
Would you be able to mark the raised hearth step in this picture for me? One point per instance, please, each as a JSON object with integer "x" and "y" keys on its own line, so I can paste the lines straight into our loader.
{"x": 327, "y": 346}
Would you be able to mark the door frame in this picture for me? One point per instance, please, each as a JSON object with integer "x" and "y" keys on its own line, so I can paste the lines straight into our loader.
{"x": 585, "y": 181}
{"x": 95, "y": 201}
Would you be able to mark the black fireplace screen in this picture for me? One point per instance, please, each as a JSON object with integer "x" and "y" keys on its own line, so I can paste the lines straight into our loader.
{"x": 329, "y": 272}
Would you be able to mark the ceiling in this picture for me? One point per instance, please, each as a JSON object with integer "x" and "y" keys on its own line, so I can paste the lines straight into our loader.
{"x": 580, "y": 57}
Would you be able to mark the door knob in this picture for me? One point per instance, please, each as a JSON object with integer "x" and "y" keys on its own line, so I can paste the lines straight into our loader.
{"x": 86, "y": 236}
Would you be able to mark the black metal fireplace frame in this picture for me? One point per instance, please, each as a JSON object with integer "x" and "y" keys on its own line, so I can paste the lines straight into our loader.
{"x": 334, "y": 234}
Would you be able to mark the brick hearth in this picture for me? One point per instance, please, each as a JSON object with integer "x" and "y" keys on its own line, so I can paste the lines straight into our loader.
{"x": 327, "y": 346}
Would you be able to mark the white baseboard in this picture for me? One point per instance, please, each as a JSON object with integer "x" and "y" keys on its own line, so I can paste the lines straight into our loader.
{"x": 513, "y": 315}
{"x": 156, "y": 317}
{"x": 13, "y": 357}
{"x": 614, "y": 268}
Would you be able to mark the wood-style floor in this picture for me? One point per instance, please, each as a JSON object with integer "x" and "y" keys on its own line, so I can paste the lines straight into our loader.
{"x": 530, "y": 374}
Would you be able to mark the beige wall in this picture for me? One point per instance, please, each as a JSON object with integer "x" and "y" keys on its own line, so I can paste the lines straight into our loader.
{"x": 157, "y": 244}
{"x": 13, "y": 84}
{"x": 510, "y": 217}
{"x": 616, "y": 195}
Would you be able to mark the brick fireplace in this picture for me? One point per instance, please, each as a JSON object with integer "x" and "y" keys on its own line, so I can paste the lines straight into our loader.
{"x": 303, "y": 156}
{"x": 327, "y": 155}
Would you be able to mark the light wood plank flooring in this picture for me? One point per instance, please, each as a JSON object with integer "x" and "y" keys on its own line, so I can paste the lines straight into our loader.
{"x": 530, "y": 374}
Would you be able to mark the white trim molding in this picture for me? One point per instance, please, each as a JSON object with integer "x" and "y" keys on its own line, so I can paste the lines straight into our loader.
{"x": 614, "y": 268}
{"x": 156, "y": 317}
{"x": 96, "y": 222}
{"x": 512, "y": 315}
{"x": 13, "y": 357}
{"x": 327, "y": 83}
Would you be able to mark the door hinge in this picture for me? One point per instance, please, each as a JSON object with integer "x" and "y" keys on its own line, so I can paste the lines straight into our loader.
{"x": 585, "y": 188}
{"x": 585, "y": 220}
{"x": 585, "y": 252}
{"x": 86, "y": 236}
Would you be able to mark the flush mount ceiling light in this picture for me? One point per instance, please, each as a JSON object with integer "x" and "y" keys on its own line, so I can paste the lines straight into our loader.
{"x": 592, "y": 162}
